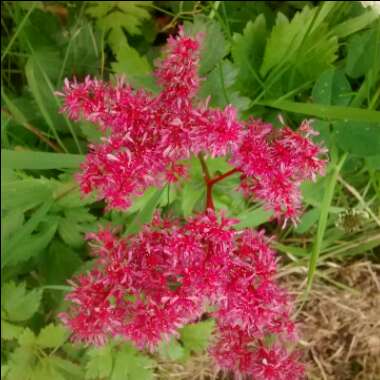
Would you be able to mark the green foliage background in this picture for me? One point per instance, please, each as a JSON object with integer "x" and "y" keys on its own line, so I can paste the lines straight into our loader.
{"x": 318, "y": 60}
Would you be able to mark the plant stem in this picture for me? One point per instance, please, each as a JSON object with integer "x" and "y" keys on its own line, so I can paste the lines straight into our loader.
{"x": 210, "y": 182}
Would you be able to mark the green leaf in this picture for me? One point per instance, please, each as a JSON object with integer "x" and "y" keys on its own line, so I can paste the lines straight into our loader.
{"x": 69, "y": 232}
{"x": 10, "y": 331}
{"x": 18, "y": 304}
{"x": 120, "y": 14}
{"x": 21, "y": 363}
{"x": 220, "y": 86}
{"x": 11, "y": 222}
{"x": 307, "y": 221}
{"x": 360, "y": 139}
{"x": 171, "y": 350}
{"x": 332, "y": 88}
{"x": 25, "y": 193}
{"x": 354, "y": 24}
{"x": 253, "y": 218}
{"x": 30, "y": 246}
{"x": 325, "y": 111}
{"x": 130, "y": 63}
{"x": 131, "y": 365}
{"x": 363, "y": 52}
{"x": 214, "y": 46}
{"x": 145, "y": 214}
{"x": 52, "y": 336}
{"x": 248, "y": 51}
{"x": 71, "y": 370}
{"x": 191, "y": 193}
{"x": 100, "y": 363}
{"x": 39, "y": 160}
{"x": 196, "y": 336}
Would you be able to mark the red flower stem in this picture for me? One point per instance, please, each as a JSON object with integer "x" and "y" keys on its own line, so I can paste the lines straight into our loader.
{"x": 213, "y": 181}
{"x": 210, "y": 182}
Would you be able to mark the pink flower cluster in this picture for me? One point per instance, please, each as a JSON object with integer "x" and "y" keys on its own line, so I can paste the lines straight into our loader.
{"x": 147, "y": 286}
{"x": 147, "y": 137}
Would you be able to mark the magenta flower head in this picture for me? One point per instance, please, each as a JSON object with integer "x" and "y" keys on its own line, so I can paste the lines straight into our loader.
{"x": 145, "y": 287}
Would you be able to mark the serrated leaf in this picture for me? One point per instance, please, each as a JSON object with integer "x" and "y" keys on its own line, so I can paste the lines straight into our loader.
{"x": 100, "y": 363}
{"x": 297, "y": 51}
{"x": 30, "y": 246}
{"x": 332, "y": 88}
{"x": 25, "y": 193}
{"x": 11, "y": 222}
{"x": 52, "y": 336}
{"x": 358, "y": 138}
{"x": 145, "y": 214}
{"x": 59, "y": 263}
{"x": 248, "y": 52}
{"x": 131, "y": 365}
{"x": 70, "y": 369}
{"x": 214, "y": 46}
{"x": 220, "y": 86}
{"x": 68, "y": 230}
{"x": 45, "y": 370}
{"x": 10, "y": 331}
{"x": 130, "y": 63}
{"x": 27, "y": 338}
{"x": 21, "y": 363}
{"x": 19, "y": 304}
{"x": 196, "y": 336}
{"x": 171, "y": 350}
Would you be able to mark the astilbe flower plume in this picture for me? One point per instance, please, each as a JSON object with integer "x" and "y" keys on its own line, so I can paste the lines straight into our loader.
{"x": 145, "y": 287}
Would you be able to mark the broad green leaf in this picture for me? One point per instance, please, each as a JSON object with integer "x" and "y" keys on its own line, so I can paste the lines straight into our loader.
{"x": 285, "y": 38}
{"x": 18, "y": 304}
{"x": 45, "y": 370}
{"x": 220, "y": 86}
{"x": 100, "y": 363}
{"x": 196, "y": 336}
{"x": 297, "y": 51}
{"x": 69, "y": 231}
{"x": 253, "y": 218}
{"x": 214, "y": 46}
{"x": 307, "y": 221}
{"x": 120, "y": 14}
{"x": 11, "y": 222}
{"x": 190, "y": 195}
{"x": 171, "y": 350}
{"x": 130, "y": 364}
{"x": 21, "y": 363}
{"x": 27, "y": 338}
{"x": 25, "y": 193}
{"x": 31, "y": 246}
{"x": 29, "y": 226}
{"x": 363, "y": 52}
{"x": 10, "y": 331}
{"x": 238, "y": 13}
{"x": 71, "y": 370}
{"x": 358, "y": 138}
{"x": 332, "y": 88}
{"x": 39, "y": 160}
{"x": 52, "y": 336}
{"x": 145, "y": 214}
{"x": 130, "y": 63}
{"x": 248, "y": 51}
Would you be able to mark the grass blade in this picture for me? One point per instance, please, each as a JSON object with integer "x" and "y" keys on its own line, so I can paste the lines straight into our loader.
{"x": 30, "y": 160}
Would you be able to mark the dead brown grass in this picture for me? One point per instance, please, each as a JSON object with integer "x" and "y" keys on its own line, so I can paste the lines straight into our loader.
{"x": 340, "y": 327}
